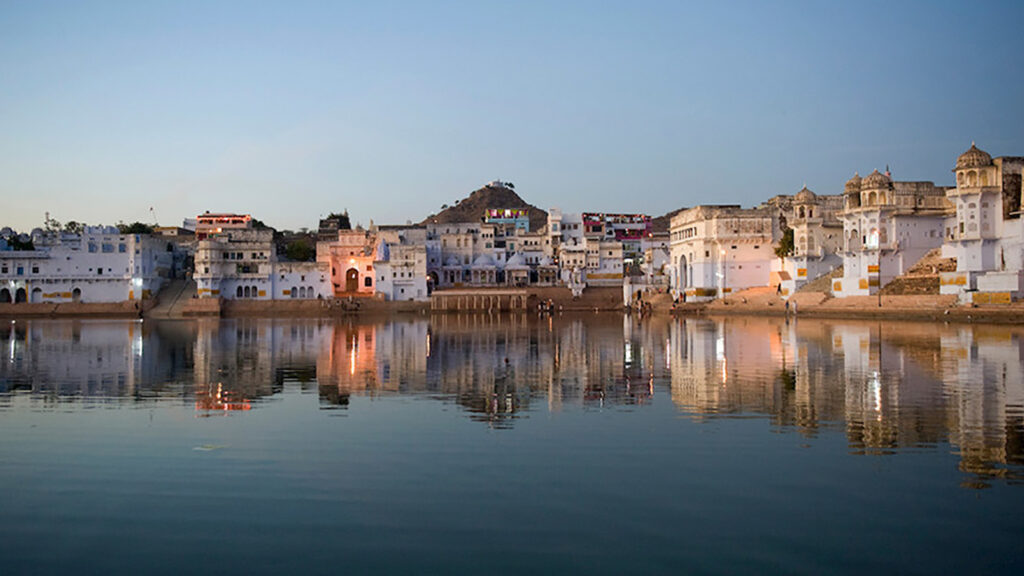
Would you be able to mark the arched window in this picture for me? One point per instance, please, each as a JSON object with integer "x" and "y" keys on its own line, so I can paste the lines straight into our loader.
{"x": 295, "y": 292}
{"x": 5, "y": 295}
{"x": 255, "y": 292}
{"x": 238, "y": 292}
{"x": 368, "y": 282}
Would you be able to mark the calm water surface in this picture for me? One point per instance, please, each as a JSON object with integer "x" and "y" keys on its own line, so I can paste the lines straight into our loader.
{"x": 479, "y": 444}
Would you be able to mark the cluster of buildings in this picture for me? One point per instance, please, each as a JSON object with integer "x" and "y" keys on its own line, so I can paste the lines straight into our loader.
{"x": 875, "y": 230}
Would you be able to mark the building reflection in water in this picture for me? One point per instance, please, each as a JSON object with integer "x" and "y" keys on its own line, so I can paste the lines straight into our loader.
{"x": 884, "y": 386}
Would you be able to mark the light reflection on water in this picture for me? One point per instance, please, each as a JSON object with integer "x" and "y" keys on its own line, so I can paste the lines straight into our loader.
{"x": 887, "y": 387}
{"x": 642, "y": 420}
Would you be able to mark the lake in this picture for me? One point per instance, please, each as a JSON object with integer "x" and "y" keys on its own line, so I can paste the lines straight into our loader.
{"x": 588, "y": 443}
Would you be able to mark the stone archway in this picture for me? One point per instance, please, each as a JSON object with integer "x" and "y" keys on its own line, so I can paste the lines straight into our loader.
{"x": 351, "y": 280}
{"x": 20, "y": 296}
{"x": 5, "y": 296}
{"x": 76, "y": 295}
{"x": 37, "y": 295}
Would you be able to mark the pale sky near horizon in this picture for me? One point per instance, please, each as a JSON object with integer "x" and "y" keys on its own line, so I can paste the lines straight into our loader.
{"x": 291, "y": 110}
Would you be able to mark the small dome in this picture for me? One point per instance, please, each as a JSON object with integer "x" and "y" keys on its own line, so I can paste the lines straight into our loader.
{"x": 805, "y": 196}
{"x": 516, "y": 262}
{"x": 452, "y": 262}
{"x": 544, "y": 261}
{"x": 875, "y": 180}
{"x": 973, "y": 158}
{"x": 484, "y": 261}
{"x": 853, "y": 184}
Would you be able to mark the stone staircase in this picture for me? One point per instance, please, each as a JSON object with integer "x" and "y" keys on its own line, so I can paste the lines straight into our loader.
{"x": 172, "y": 300}
{"x": 923, "y": 277}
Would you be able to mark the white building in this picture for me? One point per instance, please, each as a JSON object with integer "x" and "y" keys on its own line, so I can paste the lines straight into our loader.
{"x": 98, "y": 265}
{"x": 985, "y": 235}
{"x": 887, "y": 226}
{"x": 817, "y": 236}
{"x": 400, "y": 265}
{"x": 716, "y": 250}
{"x": 242, "y": 264}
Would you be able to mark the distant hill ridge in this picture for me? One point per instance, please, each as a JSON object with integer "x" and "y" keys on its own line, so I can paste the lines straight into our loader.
{"x": 503, "y": 195}
{"x": 493, "y": 195}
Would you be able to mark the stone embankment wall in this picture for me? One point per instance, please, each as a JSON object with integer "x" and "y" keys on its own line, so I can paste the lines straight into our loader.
{"x": 128, "y": 309}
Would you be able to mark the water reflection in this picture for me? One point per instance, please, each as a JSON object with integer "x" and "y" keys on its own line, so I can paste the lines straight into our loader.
{"x": 885, "y": 387}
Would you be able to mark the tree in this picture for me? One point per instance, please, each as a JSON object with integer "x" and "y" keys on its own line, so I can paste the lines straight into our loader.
{"x": 785, "y": 246}
{"x": 20, "y": 242}
{"x": 300, "y": 250}
{"x": 134, "y": 228}
{"x": 73, "y": 227}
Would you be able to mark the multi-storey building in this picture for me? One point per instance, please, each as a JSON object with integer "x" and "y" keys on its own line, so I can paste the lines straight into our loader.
{"x": 98, "y": 265}
{"x": 242, "y": 263}
{"x": 817, "y": 236}
{"x": 207, "y": 223}
{"x": 985, "y": 235}
{"x": 887, "y": 226}
{"x": 718, "y": 249}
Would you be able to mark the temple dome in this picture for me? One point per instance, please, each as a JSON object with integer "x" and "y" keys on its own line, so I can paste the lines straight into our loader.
{"x": 875, "y": 180}
{"x": 974, "y": 158}
{"x": 516, "y": 262}
{"x": 484, "y": 261}
{"x": 805, "y": 196}
{"x": 853, "y": 184}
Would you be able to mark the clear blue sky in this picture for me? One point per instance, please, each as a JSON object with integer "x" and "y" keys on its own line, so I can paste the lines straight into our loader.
{"x": 291, "y": 110}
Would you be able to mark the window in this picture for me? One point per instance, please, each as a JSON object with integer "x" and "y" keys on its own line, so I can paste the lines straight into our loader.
{"x": 35, "y": 269}
{"x": 368, "y": 282}
{"x": 99, "y": 271}
{"x": 21, "y": 270}
{"x": 122, "y": 248}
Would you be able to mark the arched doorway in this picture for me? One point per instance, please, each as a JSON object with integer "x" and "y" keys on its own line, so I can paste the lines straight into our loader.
{"x": 5, "y": 296}
{"x": 351, "y": 280}
{"x": 37, "y": 295}
{"x": 76, "y": 295}
{"x": 681, "y": 273}
{"x": 20, "y": 296}
{"x": 432, "y": 282}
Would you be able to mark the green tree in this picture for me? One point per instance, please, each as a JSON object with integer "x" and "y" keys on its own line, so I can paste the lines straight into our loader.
{"x": 342, "y": 218}
{"x": 16, "y": 243}
{"x": 73, "y": 227}
{"x": 134, "y": 228}
{"x": 300, "y": 250}
{"x": 785, "y": 246}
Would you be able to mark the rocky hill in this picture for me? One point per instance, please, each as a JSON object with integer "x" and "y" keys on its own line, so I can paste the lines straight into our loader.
{"x": 661, "y": 223}
{"x": 493, "y": 195}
